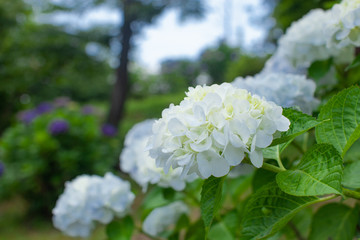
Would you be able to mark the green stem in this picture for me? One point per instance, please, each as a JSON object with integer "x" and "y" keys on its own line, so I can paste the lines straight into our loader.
{"x": 278, "y": 159}
{"x": 305, "y": 143}
{"x": 351, "y": 193}
{"x": 272, "y": 168}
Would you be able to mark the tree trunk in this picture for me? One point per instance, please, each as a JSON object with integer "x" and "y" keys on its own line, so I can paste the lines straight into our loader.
{"x": 121, "y": 86}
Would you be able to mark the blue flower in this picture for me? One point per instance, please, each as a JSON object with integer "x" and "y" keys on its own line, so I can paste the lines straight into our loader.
{"x": 43, "y": 107}
{"x": 2, "y": 168}
{"x": 58, "y": 126}
{"x": 27, "y": 116}
{"x": 87, "y": 110}
{"x": 109, "y": 130}
{"x": 62, "y": 102}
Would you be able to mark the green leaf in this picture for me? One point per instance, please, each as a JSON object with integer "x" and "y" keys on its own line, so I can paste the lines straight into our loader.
{"x": 329, "y": 4}
{"x": 299, "y": 225}
{"x": 302, "y": 221}
{"x": 183, "y": 222}
{"x": 235, "y": 187}
{"x": 168, "y": 194}
{"x": 195, "y": 231}
{"x": 351, "y": 177}
{"x": 269, "y": 210}
{"x": 220, "y": 231}
{"x": 300, "y": 123}
{"x": 227, "y": 228}
{"x": 319, "y": 173}
{"x": 274, "y": 152}
{"x": 354, "y": 64}
{"x": 210, "y": 199}
{"x": 120, "y": 229}
{"x": 343, "y": 128}
{"x": 232, "y": 222}
{"x": 318, "y": 69}
{"x": 261, "y": 178}
{"x": 353, "y": 154}
{"x": 334, "y": 221}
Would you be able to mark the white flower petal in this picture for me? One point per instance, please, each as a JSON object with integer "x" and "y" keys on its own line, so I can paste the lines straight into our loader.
{"x": 240, "y": 128}
{"x": 219, "y": 137}
{"x": 263, "y": 140}
{"x": 210, "y": 163}
{"x": 202, "y": 146}
{"x": 233, "y": 155}
{"x": 283, "y": 124}
{"x": 256, "y": 158}
{"x": 176, "y": 127}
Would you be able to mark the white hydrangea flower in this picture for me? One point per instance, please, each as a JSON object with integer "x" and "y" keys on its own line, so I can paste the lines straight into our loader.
{"x": 280, "y": 64}
{"x": 343, "y": 25}
{"x": 305, "y": 42}
{"x": 213, "y": 128}
{"x": 160, "y": 219}
{"x": 286, "y": 90}
{"x": 89, "y": 199}
{"x": 136, "y": 161}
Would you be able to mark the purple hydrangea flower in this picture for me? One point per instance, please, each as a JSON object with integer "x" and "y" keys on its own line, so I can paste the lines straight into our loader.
{"x": 2, "y": 168}
{"x": 27, "y": 116}
{"x": 58, "y": 126}
{"x": 87, "y": 110}
{"x": 43, "y": 108}
{"x": 109, "y": 130}
{"x": 62, "y": 101}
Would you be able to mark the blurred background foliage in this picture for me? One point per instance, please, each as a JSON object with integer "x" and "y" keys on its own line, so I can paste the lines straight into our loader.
{"x": 51, "y": 144}
{"x": 40, "y": 62}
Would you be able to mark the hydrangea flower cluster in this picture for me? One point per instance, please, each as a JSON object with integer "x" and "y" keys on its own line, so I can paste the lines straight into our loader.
{"x": 286, "y": 90}
{"x": 160, "y": 219}
{"x": 306, "y": 42}
{"x": 108, "y": 130}
{"x": 136, "y": 161}
{"x": 344, "y": 23}
{"x": 278, "y": 63}
{"x": 2, "y": 168}
{"x": 44, "y": 107}
{"x": 88, "y": 199}
{"x": 213, "y": 128}
{"x": 58, "y": 126}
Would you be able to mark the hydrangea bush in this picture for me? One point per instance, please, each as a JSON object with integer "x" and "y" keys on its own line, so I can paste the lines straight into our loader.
{"x": 275, "y": 157}
{"x": 52, "y": 144}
